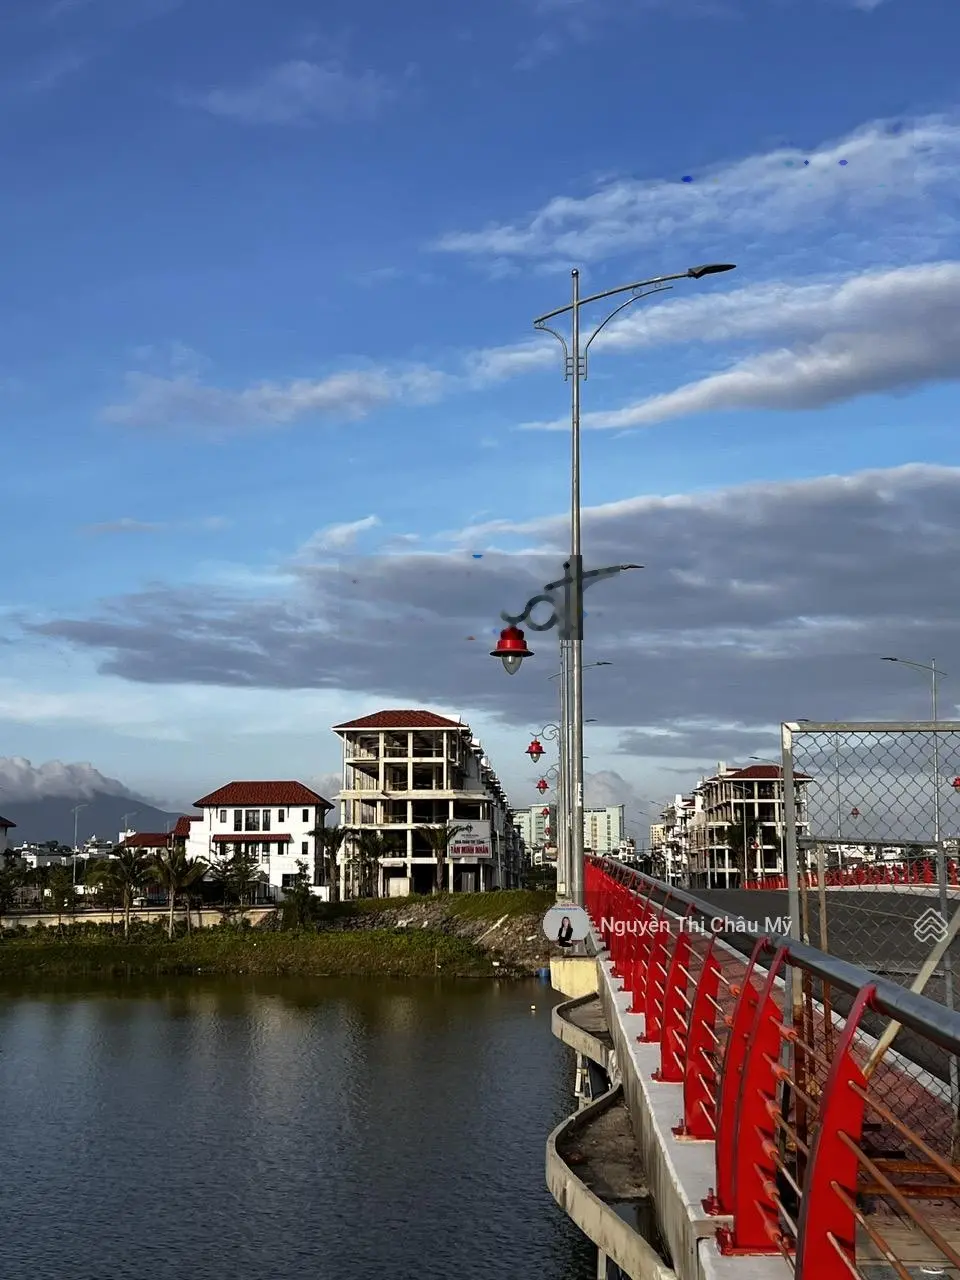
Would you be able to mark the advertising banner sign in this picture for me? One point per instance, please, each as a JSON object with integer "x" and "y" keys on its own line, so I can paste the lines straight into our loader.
{"x": 472, "y": 841}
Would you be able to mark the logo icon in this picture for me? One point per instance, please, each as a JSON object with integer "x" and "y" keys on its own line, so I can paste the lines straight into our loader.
{"x": 930, "y": 927}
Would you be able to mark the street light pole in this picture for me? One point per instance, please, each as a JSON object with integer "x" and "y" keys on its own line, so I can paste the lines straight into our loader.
{"x": 575, "y": 368}
{"x": 76, "y": 819}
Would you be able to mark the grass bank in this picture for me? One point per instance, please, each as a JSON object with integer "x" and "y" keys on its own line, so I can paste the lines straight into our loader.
{"x": 368, "y": 953}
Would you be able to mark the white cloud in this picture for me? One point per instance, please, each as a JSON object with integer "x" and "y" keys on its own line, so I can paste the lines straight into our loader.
{"x": 879, "y": 166}
{"x": 184, "y": 400}
{"x": 338, "y": 537}
{"x": 887, "y": 331}
{"x": 127, "y": 524}
{"x": 22, "y": 781}
{"x": 301, "y": 91}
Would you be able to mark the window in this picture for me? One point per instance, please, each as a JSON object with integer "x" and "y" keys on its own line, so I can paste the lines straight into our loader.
{"x": 252, "y": 820}
{"x": 238, "y": 819}
{"x": 281, "y": 815}
{"x": 288, "y": 881}
{"x": 266, "y": 820}
{"x": 306, "y": 815}
{"x": 221, "y": 815}
{"x": 265, "y": 848}
{"x": 253, "y": 847}
{"x": 238, "y": 848}
{"x": 304, "y": 848}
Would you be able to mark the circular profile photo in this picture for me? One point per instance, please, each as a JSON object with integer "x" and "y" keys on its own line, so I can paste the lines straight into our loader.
{"x": 565, "y": 925}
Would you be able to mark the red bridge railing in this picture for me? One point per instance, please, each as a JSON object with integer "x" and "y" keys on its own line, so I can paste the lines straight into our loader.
{"x": 892, "y": 873}
{"x": 827, "y": 1153}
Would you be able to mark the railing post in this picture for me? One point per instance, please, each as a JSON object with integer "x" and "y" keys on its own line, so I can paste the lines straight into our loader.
{"x": 826, "y": 1232}
{"x": 673, "y": 1033}
{"x": 756, "y": 1227}
{"x": 656, "y": 976}
{"x": 720, "y": 1201}
{"x": 641, "y": 956}
{"x": 701, "y": 1071}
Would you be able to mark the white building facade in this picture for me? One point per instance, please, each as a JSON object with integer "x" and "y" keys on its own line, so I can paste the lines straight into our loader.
{"x": 406, "y": 770}
{"x": 603, "y": 829}
{"x": 537, "y": 825}
{"x": 275, "y": 822}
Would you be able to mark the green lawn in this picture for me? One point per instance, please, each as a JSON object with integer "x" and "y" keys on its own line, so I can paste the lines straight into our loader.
{"x": 359, "y": 953}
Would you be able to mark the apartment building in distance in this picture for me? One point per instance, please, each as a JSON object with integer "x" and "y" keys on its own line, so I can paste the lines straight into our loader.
{"x": 736, "y": 829}
{"x": 404, "y": 770}
{"x": 603, "y": 830}
{"x": 670, "y": 839}
{"x": 537, "y": 825}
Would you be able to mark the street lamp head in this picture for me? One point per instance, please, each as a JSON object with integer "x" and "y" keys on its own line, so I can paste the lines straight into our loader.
{"x": 710, "y": 269}
{"x": 535, "y": 750}
{"x": 511, "y": 649}
{"x": 543, "y": 785}
{"x": 889, "y": 659}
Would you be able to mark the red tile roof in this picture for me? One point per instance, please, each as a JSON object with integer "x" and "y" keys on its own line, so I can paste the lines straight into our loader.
{"x": 7, "y": 824}
{"x": 147, "y": 840}
{"x": 241, "y": 837}
{"x": 758, "y": 773}
{"x": 182, "y": 829}
{"x": 400, "y": 720}
{"x": 268, "y": 794}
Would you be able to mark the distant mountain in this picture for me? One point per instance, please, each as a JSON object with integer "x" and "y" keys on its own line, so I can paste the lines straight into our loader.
{"x": 51, "y": 818}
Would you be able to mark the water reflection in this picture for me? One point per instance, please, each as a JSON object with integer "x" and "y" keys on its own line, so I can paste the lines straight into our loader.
{"x": 265, "y": 1127}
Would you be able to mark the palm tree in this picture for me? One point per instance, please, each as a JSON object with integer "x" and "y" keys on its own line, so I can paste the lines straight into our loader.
{"x": 177, "y": 873}
{"x": 438, "y": 837}
{"x": 369, "y": 847}
{"x": 124, "y": 874}
{"x": 329, "y": 841}
{"x": 62, "y": 892}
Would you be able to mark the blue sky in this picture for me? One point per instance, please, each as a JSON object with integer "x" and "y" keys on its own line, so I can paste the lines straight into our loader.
{"x": 267, "y": 309}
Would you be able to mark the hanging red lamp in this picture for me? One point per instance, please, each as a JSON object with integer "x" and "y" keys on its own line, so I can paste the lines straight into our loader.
{"x": 511, "y": 649}
{"x": 543, "y": 786}
{"x": 535, "y": 751}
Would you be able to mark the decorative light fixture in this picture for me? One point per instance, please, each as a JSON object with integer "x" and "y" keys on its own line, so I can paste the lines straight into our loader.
{"x": 543, "y": 785}
{"x": 535, "y": 751}
{"x": 854, "y": 813}
{"x": 511, "y": 649}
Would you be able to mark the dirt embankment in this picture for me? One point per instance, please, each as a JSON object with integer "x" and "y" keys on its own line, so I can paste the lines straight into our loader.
{"x": 514, "y": 942}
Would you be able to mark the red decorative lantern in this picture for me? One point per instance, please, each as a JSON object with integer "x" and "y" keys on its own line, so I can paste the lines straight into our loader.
{"x": 535, "y": 750}
{"x": 956, "y": 784}
{"x": 543, "y": 785}
{"x": 511, "y": 649}
{"x": 854, "y": 813}
{"x": 545, "y": 813}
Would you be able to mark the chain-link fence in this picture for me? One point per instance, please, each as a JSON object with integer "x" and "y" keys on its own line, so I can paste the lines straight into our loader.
{"x": 873, "y": 831}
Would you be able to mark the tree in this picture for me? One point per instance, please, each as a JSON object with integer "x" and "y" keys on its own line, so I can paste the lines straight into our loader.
{"x": 177, "y": 874}
{"x": 11, "y": 879}
{"x": 329, "y": 841}
{"x": 238, "y": 875}
{"x": 438, "y": 837}
{"x": 123, "y": 875}
{"x": 62, "y": 893}
{"x": 299, "y": 908}
{"x": 368, "y": 848}
{"x": 740, "y": 837}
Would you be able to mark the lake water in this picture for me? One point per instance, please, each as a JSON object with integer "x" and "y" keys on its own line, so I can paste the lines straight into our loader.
{"x": 218, "y": 1129}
